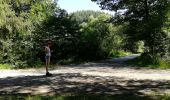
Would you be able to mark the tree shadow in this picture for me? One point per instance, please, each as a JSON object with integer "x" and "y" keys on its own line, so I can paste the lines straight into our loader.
{"x": 75, "y": 83}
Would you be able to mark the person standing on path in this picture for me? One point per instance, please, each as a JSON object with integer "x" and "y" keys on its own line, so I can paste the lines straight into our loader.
{"x": 47, "y": 57}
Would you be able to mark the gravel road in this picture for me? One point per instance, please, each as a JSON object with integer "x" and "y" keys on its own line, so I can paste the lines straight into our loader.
{"x": 104, "y": 77}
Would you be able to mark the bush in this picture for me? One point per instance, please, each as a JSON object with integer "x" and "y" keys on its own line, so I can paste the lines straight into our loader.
{"x": 146, "y": 62}
{"x": 38, "y": 63}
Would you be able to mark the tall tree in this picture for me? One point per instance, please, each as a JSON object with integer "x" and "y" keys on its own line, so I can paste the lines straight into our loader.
{"x": 144, "y": 20}
{"x": 18, "y": 20}
{"x": 61, "y": 29}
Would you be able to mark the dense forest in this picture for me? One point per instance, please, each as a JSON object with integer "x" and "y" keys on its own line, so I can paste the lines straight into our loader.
{"x": 137, "y": 26}
{"x": 144, "y": 20}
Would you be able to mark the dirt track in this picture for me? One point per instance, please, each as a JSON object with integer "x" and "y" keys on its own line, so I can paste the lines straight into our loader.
{"x": 105, "y": 77}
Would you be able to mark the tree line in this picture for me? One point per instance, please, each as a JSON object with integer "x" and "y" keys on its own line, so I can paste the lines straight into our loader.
{"x": 144, "y": 20}
{"x": 26, "y": 25}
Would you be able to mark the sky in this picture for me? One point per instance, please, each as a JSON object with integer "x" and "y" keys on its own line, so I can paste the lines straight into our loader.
{"x": 77, "y": 5}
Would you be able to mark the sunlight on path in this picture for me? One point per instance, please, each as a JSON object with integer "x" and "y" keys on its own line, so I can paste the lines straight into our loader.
{"x": 93, "y": 78}
{"x": 126, "y": 73}
{"x": 16, "y": 73}
{"x": 97, "y": 69}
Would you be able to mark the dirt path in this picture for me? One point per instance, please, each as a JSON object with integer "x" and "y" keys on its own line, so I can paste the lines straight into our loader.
{"x": 93, "y": 78}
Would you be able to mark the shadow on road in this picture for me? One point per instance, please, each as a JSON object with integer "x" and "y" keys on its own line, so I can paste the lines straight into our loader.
{"x": 75, "y": 83}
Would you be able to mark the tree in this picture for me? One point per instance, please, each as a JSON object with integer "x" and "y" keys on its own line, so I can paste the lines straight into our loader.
{"x": 63, "y": 31}
{"x": 99, "y": 37}
{"x": 83, "y": 16}
{"x": 18, "y": 19}
{"x": 13, "y": 25}
{"x": 144, "y": 20}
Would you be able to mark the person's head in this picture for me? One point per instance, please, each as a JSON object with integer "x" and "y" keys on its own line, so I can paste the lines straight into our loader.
{"x": 49, "y": 43}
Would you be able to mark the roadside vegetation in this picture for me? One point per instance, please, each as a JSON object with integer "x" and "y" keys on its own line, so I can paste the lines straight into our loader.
{"x": 88, "y": 97}
{"x": 140, "y": 62}
{"x": 82, "y": 36}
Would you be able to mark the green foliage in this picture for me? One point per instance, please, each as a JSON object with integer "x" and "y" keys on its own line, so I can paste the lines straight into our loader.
{"x": 63, "y": 31}
{"x": 71, "y": 39}
{"x": 26, "y": 25}
{"x": 83, "y": 16}
{"x": 120, "y": 53}
{"x": 38, "y": 64}
{"x": 41, "y": 10}
{"x": 99, "y": 37}
{"x": 18, "y": 18}
{"x": 144, "y": 20}
{"x": 5, "y": 66}
{"x": 145, "y": 61}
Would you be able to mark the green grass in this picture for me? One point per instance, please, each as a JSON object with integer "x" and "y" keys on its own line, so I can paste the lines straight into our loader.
{"x": 88, "y": 97}
{"x": 5, "y": 66}
{"x": 164, "y": 97}
{"x": 139, "y": 62}
{"x": 120, "y": 53}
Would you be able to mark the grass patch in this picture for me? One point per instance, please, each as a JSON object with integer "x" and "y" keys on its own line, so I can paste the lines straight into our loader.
{"x": 164, "y": 97}
{"x": 163, "y": 64}
{"x": 88, "y": 97}
{"x": 5, "y": 66}
{"x": 120, "y": 53}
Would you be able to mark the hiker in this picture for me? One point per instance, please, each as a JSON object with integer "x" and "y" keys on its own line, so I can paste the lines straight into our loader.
{"x": 47, "y": 57}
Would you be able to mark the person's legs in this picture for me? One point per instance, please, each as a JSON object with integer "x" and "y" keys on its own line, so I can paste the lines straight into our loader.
{"x": 48, "y": 61}
{"x": 47, "y": 65}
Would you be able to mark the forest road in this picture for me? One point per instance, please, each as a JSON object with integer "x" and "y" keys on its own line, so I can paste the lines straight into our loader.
{"x": 104, "y": 77}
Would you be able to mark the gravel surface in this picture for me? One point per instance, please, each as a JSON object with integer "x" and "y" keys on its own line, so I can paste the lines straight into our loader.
{"x": 103, "y": 77}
